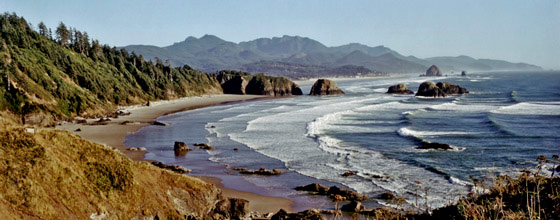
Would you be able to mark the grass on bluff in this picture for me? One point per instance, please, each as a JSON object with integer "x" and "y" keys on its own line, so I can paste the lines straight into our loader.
{"x": 58, "y": 175}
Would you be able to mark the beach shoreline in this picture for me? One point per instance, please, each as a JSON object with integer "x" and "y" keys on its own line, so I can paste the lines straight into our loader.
{"x": 112, "y": 133}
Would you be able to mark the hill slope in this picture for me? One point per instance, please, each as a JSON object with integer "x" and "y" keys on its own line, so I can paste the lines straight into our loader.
{"x": 53, "y": 174}
{"x": 66, "y": 78}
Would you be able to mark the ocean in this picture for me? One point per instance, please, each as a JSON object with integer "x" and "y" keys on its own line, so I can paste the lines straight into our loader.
{"x": 500, "y": 127}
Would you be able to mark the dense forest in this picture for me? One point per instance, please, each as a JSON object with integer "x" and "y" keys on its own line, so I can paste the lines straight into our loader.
{"x": 63, "y": 73}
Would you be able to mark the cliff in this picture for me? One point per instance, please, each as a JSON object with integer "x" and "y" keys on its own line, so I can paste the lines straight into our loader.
{"x": 234, "y": 82}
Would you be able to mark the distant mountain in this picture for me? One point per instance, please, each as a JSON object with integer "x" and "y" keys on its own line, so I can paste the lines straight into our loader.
{"x": 301, "y": 56}
{"x": 468, "y": 63}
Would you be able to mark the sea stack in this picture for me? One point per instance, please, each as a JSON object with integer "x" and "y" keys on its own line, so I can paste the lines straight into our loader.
{"x": 463, "y": 73}
{"x": 441, "y": 89}
{"x": 399, "y": 89}
{"x": 433, "y": 71}
{"x": 325, "y": 87}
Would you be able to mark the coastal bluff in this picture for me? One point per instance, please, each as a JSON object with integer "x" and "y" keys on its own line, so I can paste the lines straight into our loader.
{"x": 242, "y": 83}
{"x": 325, "y": 87}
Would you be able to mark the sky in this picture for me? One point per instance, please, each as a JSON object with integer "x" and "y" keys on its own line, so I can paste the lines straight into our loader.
{"x": 512, "y": 30}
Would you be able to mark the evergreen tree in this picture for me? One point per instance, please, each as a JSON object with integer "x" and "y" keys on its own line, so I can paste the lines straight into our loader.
{"x": 63, "y": 35}
{"x": 43, "y": 30}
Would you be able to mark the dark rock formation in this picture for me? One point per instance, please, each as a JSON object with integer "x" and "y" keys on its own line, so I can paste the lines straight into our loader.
{"x": 353, "y": 206}
{"x": 387, "y": 196}
{"x": 399, "y": 89}
{"x": 180, "y": 148}
{"x": 235, "y": 85}
{"x": 159, "y": 123}
{"x": 463, "y": 73}
{"x": 231, "y": 208}
{"x": 332, "y": 192}
{"x": 325, "y": 87}
{"x": 261, "y": 171}
{"x": 451, "y": 89}
{"x": 174, "y": 168}
{"x": 311, "y": 214}
{"x": 433, "y": 71}
{"x": 430, "y": 89}
{"x": 204, "y": 146}
{"x": 233, "y": 82}
{"x": 348, "y": 173}
{"x": 436, "y": 146}
{"x": 314, "y": 187}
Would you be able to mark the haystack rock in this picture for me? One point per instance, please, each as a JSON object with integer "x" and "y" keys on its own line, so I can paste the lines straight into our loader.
{"x": 430, "y": 89}
{"x": 399, "y": 89}
{"x": 325, "y": 87}
{"x": 433, "y": 71}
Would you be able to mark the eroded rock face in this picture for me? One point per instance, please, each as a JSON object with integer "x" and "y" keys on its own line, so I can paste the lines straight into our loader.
{"x": 310, "y": 214}
{"x": 235, "y": 85}
{"x": 399, "y": 89}
{"x": 325, "y": 87}
{"x": 451, "y": 89}
{"x": 242, "y": 83}
{"x": 430, "y": 89}
{"x": 433, "y": 71}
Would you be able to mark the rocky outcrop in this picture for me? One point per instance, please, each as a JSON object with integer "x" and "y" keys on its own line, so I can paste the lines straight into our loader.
{"x": 325, "y": 87}
{"x": 387, "y": 196}
{"x": 353, "y": 206}
{"x": 180, "y": 148}
{"x": 314, "y": 187}
{"x": 433, "y": 71}
{"x": 311, "y": 214}
{"x": 433, "y": 145}
{"x": 332, "y": 192}
{"x": 441, "y": 89}
{"x": 430, "y": 89}
{"x": 204, "y": 146}
{"x": 348, "y": 173}
{"x": 399, "y": 89}
{"x": 174, "y": 168}
{"x": 451, "y": 89}
{"x": 231, "y": 208}
{"x": 242, "y": 83}
{"x": 261, "y": 171}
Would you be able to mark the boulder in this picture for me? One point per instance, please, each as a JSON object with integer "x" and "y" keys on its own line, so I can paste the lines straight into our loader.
{"x": 180, "y": 147}
{"x": 353, "y": 206}
{"x": 261, "y": 171}
{"x": 430, "y": 89}
{"x": 349, "y": 195}
{"x": 325, "y": 87}
{"x": 463, "y": 73}
{"x": 436, "y": 146}
{"x": 311, "y": 214}
{"x": 174, "y": 168}
{"x": 159, "y": 123}
{"x": 232, "y": 208}
{"x": 314, "y": 187}
{"x": 451, "y": 89}
{"x": 387, "y": 196}
{"x": 204, "y": 146}
{"x": 399, "y": 89}
{"x": 348, "y": 173}
{"x": 433, "y": 71}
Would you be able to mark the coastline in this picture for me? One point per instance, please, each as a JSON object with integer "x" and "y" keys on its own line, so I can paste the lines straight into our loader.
{"x": 113, "y": 133}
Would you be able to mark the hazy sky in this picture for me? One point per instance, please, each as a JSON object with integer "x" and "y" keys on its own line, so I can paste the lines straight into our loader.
{"x": 513, "y": 30}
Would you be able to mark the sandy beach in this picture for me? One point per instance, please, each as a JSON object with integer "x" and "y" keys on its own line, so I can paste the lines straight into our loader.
{"x": 113, "y": 132}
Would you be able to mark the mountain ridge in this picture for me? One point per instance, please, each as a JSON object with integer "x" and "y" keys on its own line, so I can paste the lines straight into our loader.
{"x": 210, "y": 53}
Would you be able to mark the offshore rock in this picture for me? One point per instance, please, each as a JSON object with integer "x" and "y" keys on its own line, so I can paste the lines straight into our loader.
{"x": 325, "y": 87}
{"x": 451, "y": 89}
{"x": 399, "y": 89}
{"x": 430, "y": 89}
{"x": 433, "y": 71}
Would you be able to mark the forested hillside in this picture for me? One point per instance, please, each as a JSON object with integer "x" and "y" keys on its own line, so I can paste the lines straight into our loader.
{"x": 60, "y": 73}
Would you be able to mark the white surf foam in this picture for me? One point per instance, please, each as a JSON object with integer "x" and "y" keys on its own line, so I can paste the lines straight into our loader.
{"x": 530, "y": 108}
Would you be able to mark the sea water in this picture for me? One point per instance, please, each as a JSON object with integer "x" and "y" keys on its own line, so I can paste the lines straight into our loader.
{"x": 500, "y": 127}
